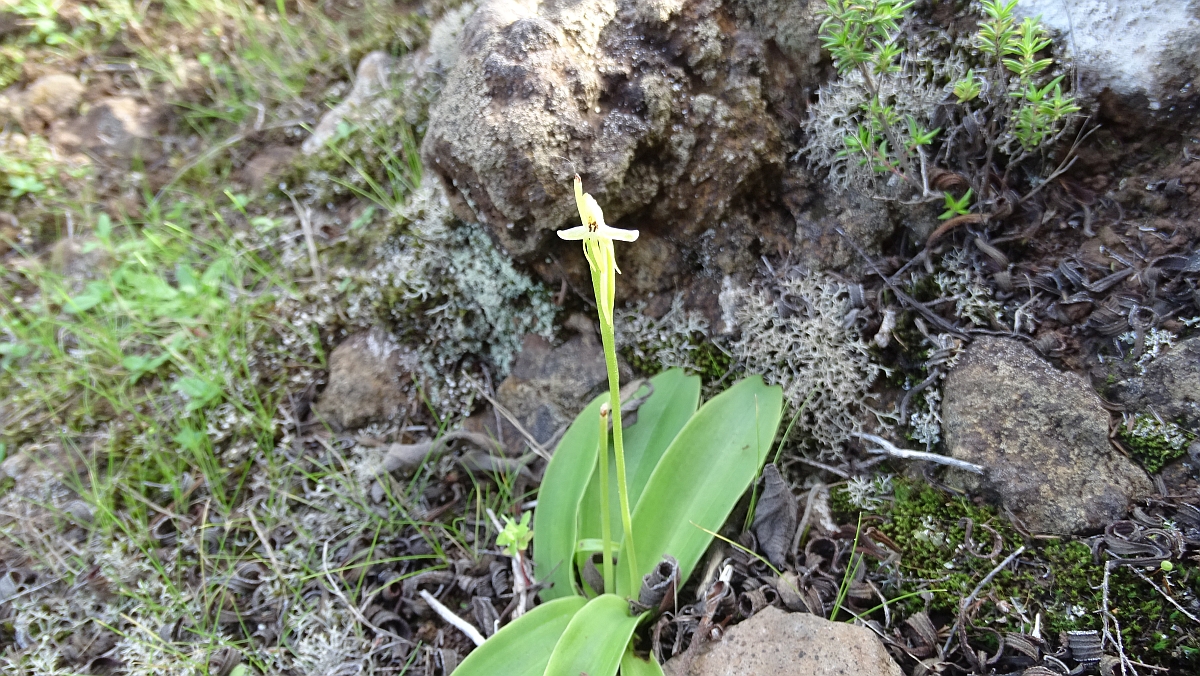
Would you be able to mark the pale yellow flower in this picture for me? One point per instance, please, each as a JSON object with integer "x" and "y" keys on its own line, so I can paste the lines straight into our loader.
{"x": 597, "y": 240}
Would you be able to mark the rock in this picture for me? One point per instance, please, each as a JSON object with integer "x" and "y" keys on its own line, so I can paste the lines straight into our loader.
{"x": 369, "y": 381}
{"x": 53, "y": 96}
{"x": 549, "y": 385}
{"x": 1141, "y": 52}
{"x": 114, "y": 131}
{"x": 1169, "y": 387}
{"x": 1042, "y": 438}
{"x": 80, "y": 260}
{"x": 372, "y": 78}
{"x": 776, "y": 643}
{"x": 266, "y": 165}
{"x": 680, "y": 116}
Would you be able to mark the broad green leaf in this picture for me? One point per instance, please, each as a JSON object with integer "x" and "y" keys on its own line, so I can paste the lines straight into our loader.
{"x": 557, "y": 514}
{"x": 198, "y": 391}
{"x": 632, "y": 665}
{"x": 523, "y": 647}
{"x": 675, "y": 398}
{"x": 595, "y": 640}
{"x": 93, "y": 294}
{"x": 701, "y": 476}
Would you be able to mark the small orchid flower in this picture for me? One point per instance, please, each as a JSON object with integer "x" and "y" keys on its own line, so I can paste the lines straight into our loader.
{"x": 598, "y": 248}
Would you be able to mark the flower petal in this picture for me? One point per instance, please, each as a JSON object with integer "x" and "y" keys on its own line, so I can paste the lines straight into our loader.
{"x": 617, "y": 233}
{"x": 575, "y": 233}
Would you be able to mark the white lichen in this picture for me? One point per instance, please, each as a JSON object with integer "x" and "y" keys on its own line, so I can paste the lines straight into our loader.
{"x": 868, "y": 493}
{"x": 671, "y": 341}
{"x": 1153, "y": 341}
{"x": 794, "y": 331}
{"x": 961, "y": 279}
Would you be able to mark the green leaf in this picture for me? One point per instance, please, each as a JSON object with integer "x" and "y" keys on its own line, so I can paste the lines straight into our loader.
{"x": 702, "y": 475}
{"x": 93, "y": 294}
{"x": 557, "y": 512}
{"x": 595, "y": 640}
{"x": 198, "y": 391}
{"x": 632, "y": 665}
{"x": 523, "y": 647}
{"x": 659, "y": 419}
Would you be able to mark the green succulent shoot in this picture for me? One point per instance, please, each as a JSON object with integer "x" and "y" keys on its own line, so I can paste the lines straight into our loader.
{"x": 515, "y": 537}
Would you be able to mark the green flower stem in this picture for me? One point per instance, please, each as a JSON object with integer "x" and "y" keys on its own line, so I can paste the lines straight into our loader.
{"x": 605, "y": 518}
{"x": 614, "y": 398}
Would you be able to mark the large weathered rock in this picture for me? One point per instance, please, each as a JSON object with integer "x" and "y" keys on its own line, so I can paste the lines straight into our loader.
{"x": 775, "y": 643}
{"x": 680, "y": 115}
{"x": 1143, "y": 52}
{"x": 1170, "y": 386}
{"x": 1042, "y": 437}
{"x": 369, "y": 381}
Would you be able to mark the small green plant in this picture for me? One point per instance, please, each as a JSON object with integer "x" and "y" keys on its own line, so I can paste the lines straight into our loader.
{"x": 873, "y": 126}
{"x": 516, "y": 536}
{"x": 957, "y": 207}
{"x": 678, "y": 472}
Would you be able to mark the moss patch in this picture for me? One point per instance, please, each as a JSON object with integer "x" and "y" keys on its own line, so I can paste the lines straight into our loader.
{"x": 1153, "y": 443}
{"x": 1058, "y": 579}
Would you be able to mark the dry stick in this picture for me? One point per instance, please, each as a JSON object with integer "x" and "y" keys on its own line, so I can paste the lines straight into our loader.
{"x": 888, "y": 448}
{"x": 962, "y": 608}
{"x": 458, "y": 622}
{"x": 933, "y": 375}
{"x": 1172, "y": 601}
{"x": 1106, "y": 615}
{"x": 808, "y": 507}
{"x": 904, "y": 297}
{"x": 337, "y": 591}
{"x": 529, "y": 438}
{"x": 309, "y": 240}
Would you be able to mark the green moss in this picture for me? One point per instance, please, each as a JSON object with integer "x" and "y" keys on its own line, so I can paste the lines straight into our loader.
{"x": 1154, "y": 444}
{"x": 708, "y": 361}
{"x": 1058, "y": 579}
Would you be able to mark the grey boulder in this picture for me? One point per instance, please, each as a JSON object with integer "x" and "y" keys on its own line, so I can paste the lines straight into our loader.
{"x": 1041, "y": 436}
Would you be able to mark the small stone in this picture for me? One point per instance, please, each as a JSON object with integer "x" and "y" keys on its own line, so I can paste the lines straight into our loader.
{"x": 53, "y": 96}
{"x": 1170, "y": 386}
{"x": 1041, "y": 436}
{"x": 368, "y": 381}
{"x": 368, "y": 96}
{"x": 776, "y": 643}
{"x": 114, "y": 130}
{"x": 266, "y": 165}
{"x": 549, "y": 385}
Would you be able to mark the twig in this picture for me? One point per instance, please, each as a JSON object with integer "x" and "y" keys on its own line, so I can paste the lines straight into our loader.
{"x": 1159, "y": 589}
{"x": 808, "y": 507}
{"x": 933, "y": 375}
{"x": 306, "y": 225}
{"x": 904, "y": 297}
{"x": 512, "y": 419}
{"x": 962, "y": 607}
{"x": 888, "y": 448}
{"x": 450, "y": 618}
{"x": 337, "y": 591}
{"x": 1107, "y": 615}
{"x": 964, "y": 219}
{"x": 828, "y": 468}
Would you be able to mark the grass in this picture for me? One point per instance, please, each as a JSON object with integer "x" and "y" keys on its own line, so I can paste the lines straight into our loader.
{"x": 156, "y": 333}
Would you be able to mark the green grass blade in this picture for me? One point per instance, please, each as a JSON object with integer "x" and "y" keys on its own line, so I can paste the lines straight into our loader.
{"x": 595, "y": 640}
{"x": 523, "y": 647}
{"x": 701, "y": 476}
{"x": 632, "y": 665}
{"x": 675, "y": 399}
{"x": 557, "y": 515}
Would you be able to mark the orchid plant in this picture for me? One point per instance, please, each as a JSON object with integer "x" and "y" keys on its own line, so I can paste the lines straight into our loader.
{"x": 679, "y": 471}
